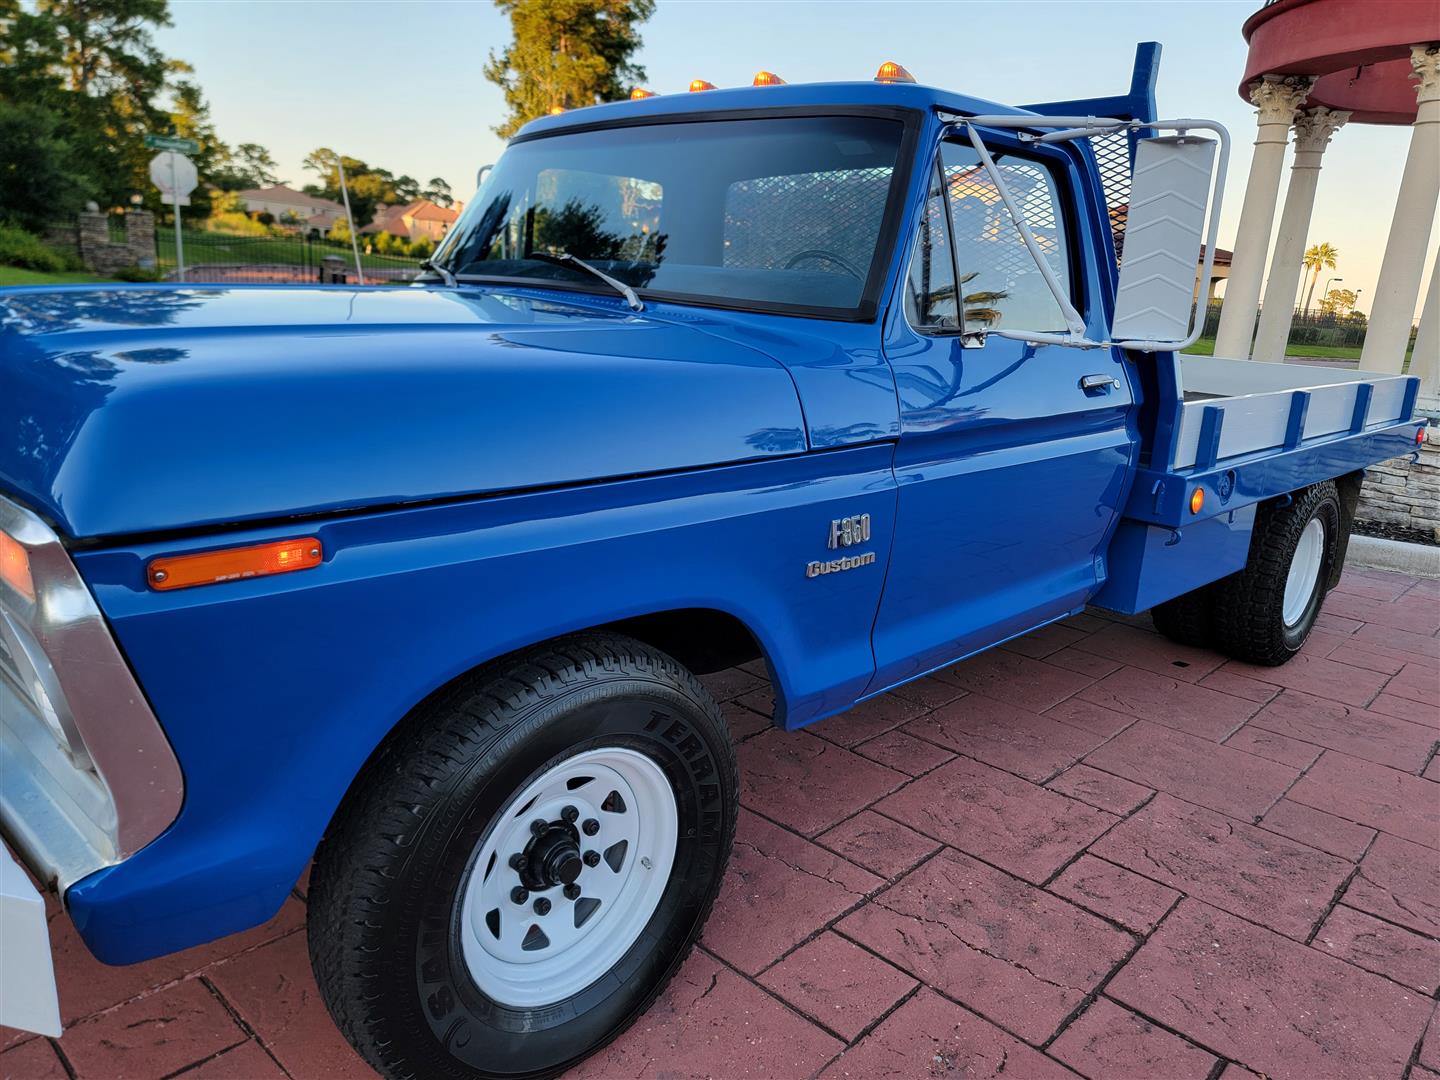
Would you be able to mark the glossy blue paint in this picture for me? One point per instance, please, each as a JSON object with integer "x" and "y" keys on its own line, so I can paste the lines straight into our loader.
{"x": 139, "y": 408}
{"x": 1161, "y": 497}
{"x": 1011, "y": 477}
{"x": 275, "y": 691}
{"x": 492, "y": 467}
{"x": 1149, "y": 564}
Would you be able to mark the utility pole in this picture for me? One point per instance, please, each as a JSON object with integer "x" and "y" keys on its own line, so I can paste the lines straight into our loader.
{"x": 354, "y": 239}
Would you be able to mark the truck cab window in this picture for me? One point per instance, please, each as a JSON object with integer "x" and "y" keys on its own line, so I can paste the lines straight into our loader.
{"x": 774, "y": 213}
{"x": 930, "y": 288}
{"x": 999, "y": 282}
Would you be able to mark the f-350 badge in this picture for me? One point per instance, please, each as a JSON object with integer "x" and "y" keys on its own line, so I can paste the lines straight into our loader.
{"x": 844, "y": 533}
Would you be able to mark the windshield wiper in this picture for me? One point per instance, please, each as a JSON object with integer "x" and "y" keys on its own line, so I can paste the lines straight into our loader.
{"x": 444, "y": 271}
{"x": 566, "y": 259}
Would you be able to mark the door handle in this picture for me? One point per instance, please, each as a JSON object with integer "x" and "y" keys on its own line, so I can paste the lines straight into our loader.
{"x": 1099, "y": 384}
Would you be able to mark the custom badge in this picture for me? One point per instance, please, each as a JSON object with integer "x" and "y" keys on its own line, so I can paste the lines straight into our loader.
{"x": 844, "y": 533}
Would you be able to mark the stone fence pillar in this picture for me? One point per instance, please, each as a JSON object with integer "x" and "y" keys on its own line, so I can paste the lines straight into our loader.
{"x": 140, "y": 238}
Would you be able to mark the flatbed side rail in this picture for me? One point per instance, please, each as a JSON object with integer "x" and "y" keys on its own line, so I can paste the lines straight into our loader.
{"x": 1164, "y": 497}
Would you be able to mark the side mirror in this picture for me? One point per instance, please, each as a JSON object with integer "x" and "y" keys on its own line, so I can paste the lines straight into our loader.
{"x": 1164, "y": 235}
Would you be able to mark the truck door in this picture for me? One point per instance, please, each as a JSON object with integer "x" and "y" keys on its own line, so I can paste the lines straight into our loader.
{"x": 1013, "y": 458}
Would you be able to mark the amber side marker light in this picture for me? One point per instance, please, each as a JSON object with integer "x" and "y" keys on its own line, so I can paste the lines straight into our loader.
{"x": 15, "y": 566}
{"x": 1197, "y": 500}
{"x": 233, "y": 564}
{"x": 701, "y": 84}
{"x": 891, "y": 72}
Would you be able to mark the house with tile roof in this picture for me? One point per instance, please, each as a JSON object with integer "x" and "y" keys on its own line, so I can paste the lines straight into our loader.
{"x": 414, "y": 220}
{"x": 287, "y": 205}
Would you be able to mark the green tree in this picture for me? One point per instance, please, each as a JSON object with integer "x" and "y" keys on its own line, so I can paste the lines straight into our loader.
{"x": 566, "y": 54}
{"x": 1318, "y": 257}
{"x": 248, "y": 165}
{"x": 40, "y": 180}
{"x": 1339, "y": 302}
{"x": 369, "y": 186}
{"x": 438, "y": 192}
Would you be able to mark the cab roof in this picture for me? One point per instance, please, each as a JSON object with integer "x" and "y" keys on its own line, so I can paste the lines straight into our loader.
{"x": 829, "y": 95}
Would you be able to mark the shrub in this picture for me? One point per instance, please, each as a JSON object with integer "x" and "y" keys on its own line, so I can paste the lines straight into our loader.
{"x": 235, "y": 223}
{"x": 21, "y": 248}
{"x": 138, "y": 273}
{"x": 422, "y": 247}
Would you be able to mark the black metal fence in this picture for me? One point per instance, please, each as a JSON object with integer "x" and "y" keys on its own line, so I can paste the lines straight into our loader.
{"x": 292, "y": 258}
{"x": 1308, "y": 327}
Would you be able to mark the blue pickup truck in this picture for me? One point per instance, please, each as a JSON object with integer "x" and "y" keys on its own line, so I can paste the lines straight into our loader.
{"x": 417, "y": 585}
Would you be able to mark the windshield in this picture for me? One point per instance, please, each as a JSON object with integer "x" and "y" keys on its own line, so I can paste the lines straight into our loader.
{"x": 779, "y": 213}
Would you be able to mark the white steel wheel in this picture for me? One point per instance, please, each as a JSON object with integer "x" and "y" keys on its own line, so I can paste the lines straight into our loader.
{"x": 1304, "y": 572}
{"x": 569, "y": 875}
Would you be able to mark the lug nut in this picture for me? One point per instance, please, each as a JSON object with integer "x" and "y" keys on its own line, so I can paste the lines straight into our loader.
{"x": 538, "y": 826}
{"x": 592, "y": 858}
{"x": 518, "y": 861}
{"x": 519, "y": 894}
{"x": 591, "y": 826}
{"x": 572, "y": 892}
{"x": 570, "y": 814}
{"x": 542, "y": 906}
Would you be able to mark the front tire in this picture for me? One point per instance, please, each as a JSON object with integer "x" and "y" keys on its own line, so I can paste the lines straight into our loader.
{"x": 595, "y": 772}
{"x": 1264, "y": 614}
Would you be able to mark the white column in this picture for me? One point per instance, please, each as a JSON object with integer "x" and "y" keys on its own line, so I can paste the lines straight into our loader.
{"x": 1404, "y": 263}
{"x": 1276, "y": 97}
{"x": 1313, "y": 129}
{"x": 1425, "y": 360}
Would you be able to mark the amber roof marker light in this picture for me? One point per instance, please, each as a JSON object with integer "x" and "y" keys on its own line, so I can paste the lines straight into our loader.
{"x": 640, "y": 94}
{"x": 700, "y": 84}
{"x": 767, "y": 78}
{"x": 891, "y": 72}
{"x": 234, "y": 564}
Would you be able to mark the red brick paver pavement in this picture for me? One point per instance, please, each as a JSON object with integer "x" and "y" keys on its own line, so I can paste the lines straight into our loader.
{"x": 1090, "y": 851}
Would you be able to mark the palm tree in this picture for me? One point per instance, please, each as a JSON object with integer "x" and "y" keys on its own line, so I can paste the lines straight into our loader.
{"x": 1318, "y": 257}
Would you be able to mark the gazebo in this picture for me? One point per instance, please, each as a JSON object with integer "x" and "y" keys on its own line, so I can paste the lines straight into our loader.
{"x": 1315, "y": 65}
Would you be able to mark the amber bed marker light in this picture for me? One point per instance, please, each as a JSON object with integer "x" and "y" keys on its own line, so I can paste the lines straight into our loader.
{"x": 15, "y": 566}
{"x": 891, "y": 72}
{"x": 767, "y": 78}
{"x": 1197, "y": 500}
{"x": 232, "y": 564}
{"x": 701, "y": 84}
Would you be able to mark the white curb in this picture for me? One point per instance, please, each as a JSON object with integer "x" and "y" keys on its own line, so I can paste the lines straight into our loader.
{"x": 1373, "y": 553}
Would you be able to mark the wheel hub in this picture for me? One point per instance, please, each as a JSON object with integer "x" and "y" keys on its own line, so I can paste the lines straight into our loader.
{"x": 552, "y": 858}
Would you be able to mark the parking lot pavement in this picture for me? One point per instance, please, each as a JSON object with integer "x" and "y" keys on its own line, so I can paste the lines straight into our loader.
{"x": 1089, "y": 851}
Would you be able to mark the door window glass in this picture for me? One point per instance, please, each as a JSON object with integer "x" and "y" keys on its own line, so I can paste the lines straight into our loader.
{"x": 1000, "y": 284}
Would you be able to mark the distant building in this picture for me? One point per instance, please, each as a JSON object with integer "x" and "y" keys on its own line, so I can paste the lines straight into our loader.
{"x": 287, "y": 205}
{"x": 421, "y": 218}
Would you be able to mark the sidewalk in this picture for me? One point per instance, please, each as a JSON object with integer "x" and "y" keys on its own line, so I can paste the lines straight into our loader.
{"x": 1089, "y": 851}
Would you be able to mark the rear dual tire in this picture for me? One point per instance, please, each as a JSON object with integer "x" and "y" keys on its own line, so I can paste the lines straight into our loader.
{"x": 597, "y": 774}
{"x": 1264, "y": 613}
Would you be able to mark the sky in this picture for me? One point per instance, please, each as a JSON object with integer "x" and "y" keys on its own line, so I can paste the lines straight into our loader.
{"x": 399, "y": 83}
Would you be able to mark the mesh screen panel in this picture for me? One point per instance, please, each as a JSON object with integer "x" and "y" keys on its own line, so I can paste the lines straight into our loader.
{"x": 771, "y": 219}
{"x": 1112, "y": 156}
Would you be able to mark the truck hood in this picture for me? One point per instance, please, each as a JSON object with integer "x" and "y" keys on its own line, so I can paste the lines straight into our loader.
{"x": 142, "y": 408}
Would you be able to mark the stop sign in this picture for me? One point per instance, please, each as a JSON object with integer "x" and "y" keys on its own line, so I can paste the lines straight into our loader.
{"x": 174, "y": 174}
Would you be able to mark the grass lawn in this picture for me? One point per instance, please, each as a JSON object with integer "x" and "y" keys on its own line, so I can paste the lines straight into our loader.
{"x": 223, "y": 248}
{"x": 14, "y": 275}
{"x": 1206, "y": 347}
